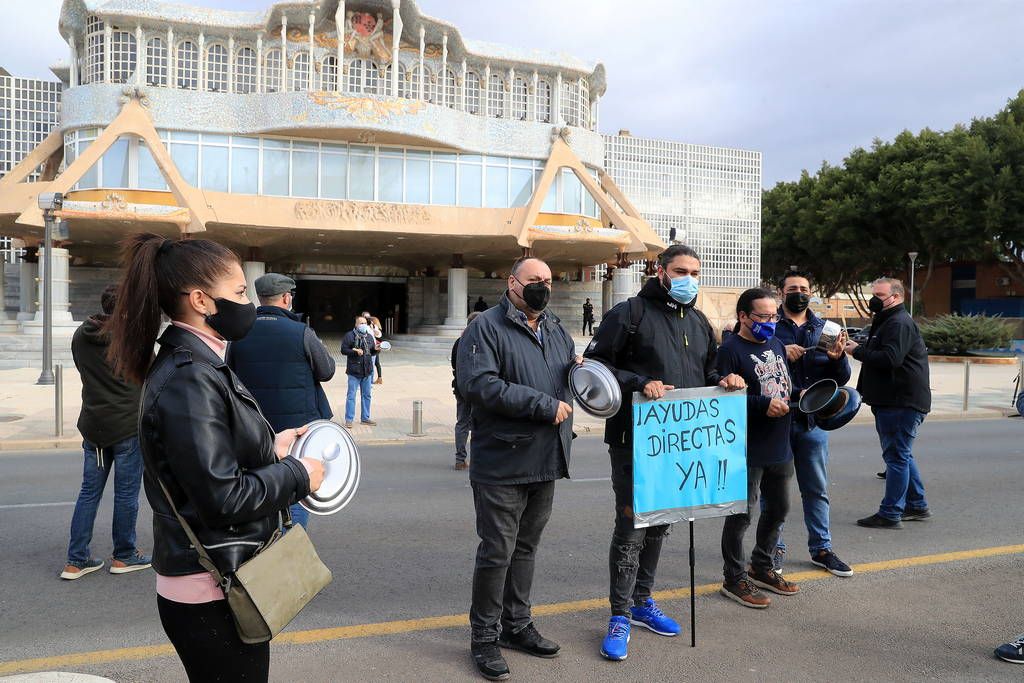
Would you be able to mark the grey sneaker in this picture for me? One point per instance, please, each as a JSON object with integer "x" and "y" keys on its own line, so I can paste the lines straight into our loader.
{"x": 73, "y": 571}
{"x": 135, "y": 563}
{"x": 777, "y": 559}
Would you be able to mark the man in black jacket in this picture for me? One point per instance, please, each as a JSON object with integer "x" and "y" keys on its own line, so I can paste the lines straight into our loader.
{"x": 463, "y": 410}
{"x": 512, "y": 367}
{"x": 653, "y": 343}
{"x": 359, "y": 347}
{"x": 894, "y": 382}
{"x": 282, "y": 362}
{"x": 109, "y": 427}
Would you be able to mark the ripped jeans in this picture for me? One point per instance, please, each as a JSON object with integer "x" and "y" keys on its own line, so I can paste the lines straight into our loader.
{"x": 634, "y": 553}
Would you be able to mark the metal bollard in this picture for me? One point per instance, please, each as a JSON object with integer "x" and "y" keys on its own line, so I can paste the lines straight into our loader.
{"x": 417, "y": 419}
{"x": 967, "y": 382}
{"x": 58, "y": 401}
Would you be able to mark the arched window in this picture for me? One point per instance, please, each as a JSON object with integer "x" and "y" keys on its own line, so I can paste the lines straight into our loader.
{"x": 300, "y": 72}
{"x": 329, "y": 73}
{"x": 519, "y": 94}
{"x": 569, "y": 103}
{"x": 403, "y": 84}
{"x": 245, "y": 70}
{"x": 217, "y": 68}
{"x": 95, "y": 45}
{"x": 472, "y": 86}
{"x": 543, "y": 101}
{"x": 272, "y": 71}
{"x": 414, "y": 83}
{"x": 496, "y": 97}
{"x": 451, "y": 89}
{"x": 187, "y": 76}
{"x": 156, "y": 62}
{"x": 122, "y": 56}
{"x": 584, "y": 100}
{"x": 372, "y": 79}
{"x": 355, "y": 75}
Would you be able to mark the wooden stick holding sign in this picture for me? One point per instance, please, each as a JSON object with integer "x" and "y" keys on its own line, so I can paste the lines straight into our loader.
{"x": 689, "y": 462}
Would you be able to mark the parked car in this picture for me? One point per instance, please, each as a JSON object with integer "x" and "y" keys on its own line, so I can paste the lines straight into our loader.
{"x": 861, "y": 335}
{"x": 851, "y": 330}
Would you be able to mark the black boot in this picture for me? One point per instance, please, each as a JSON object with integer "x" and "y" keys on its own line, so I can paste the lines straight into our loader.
{"x": 489, "y": 661}
{"x": 529, "y": 640}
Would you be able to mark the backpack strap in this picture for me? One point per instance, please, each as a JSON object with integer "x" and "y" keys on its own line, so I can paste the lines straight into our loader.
{"x": 636, "y": 314}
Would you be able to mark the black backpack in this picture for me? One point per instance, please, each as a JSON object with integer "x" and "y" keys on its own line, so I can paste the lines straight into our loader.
{"x": 636, "y": 314}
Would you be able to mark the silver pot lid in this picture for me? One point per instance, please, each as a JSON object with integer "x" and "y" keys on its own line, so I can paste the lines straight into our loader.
{"x": 595, "y": 388}
{"x": 331, "y": 444}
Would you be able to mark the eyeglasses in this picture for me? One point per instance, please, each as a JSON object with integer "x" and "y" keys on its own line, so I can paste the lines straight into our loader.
{"x": 765, "y": 317}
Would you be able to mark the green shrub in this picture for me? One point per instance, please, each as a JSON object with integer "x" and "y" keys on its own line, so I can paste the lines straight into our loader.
{"x": 955, "y": 334}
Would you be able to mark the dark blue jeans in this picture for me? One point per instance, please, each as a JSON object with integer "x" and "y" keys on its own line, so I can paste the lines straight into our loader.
{"x": 810, "y": 459}
{"x": 125, "y": 458}
{"x": 897, "y": 429}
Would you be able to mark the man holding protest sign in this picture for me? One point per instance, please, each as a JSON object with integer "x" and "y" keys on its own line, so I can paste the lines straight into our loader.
{"x": 760, "y": 358}
{"x": 799, "y": 329}
{"x": 512, "y": 366}
{"x": 654, "y": 342}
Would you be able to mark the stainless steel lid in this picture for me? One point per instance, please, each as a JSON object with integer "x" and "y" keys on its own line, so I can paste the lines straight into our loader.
{"x": 595, "y": 388}
{"x": 331, "y": 444}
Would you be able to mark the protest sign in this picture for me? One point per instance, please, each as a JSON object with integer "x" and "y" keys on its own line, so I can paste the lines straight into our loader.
{"x": 689, "y": 455}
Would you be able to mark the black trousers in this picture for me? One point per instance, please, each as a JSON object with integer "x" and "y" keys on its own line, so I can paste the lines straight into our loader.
{"x": 634, "y": 553}
{"x": 208, "y": 645}
{"x": 772, "y": 481}
{"x": 509, "y": 521}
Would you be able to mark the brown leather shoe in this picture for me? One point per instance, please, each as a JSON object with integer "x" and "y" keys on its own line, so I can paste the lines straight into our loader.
{"x": 772, "y": 580}
{"x": 462, "y": 465}
{"x": 745, "y": 593}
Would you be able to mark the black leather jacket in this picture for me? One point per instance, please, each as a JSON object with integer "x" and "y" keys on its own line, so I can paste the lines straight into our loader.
{"x": 202, "y": 432}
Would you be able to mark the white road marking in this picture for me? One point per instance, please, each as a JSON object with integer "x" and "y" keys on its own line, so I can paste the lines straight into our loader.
{"x": 36, "y": 505}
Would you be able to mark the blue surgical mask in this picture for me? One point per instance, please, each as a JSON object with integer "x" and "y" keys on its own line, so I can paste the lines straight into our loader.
{"x": 684, "y": 289}
{"x": 363, "y": 328}
{"x": 762, "y": 331}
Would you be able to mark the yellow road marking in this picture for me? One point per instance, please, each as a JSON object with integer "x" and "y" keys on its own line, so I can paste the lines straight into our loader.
{"x": 458, "y": 620}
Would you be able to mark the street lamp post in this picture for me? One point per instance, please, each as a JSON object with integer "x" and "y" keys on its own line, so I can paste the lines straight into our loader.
{"x": 913, "y": 259}
{"x": 49, "y": 202}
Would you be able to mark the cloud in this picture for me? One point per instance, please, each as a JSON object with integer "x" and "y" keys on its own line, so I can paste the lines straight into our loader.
{"x": 802, "y": 81}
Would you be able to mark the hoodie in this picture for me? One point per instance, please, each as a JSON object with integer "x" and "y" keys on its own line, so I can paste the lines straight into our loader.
{"x": 110, "y": 406}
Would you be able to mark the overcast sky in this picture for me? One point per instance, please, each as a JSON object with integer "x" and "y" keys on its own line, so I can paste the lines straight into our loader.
{"x": 802, "y": 82}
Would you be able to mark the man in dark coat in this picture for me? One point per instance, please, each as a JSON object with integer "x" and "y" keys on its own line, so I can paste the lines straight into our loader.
{"x": 894, "y": 382}
{"x": 109, "y": 427}
{"x": 512, "y": 367}
{"x": 359, "y": 347}
{"x": 282, "y": 362}
{"x": 463, "y": 410}
{"x": 588, "y": 317}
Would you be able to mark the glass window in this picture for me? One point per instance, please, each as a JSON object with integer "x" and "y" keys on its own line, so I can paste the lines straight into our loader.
{"x": 150, "y": 177}
{"x": 521, "y": 186}
{"x": 90, "y": 178}
{"x": 156, "y": 62}
{"x": 215, "y": 168}
{"x": 186, "y": 158}
{"x": 329, "y": 74}
{"x": 389, "y": 179}
{"x": 589, "y": 204}
{"x": 544, "y": 101}
{"x": 334, "y": 175}
{"x": 497, "y": 187}
{"x": 551, "y": 199}
{"x": 275, "y": 168}
{"x": 372, "y": 78}
{"x": 272, "y": 71}
{"x": 217, "y": 68}
{"x": 470, "y": 184}
{"x": 417, "y": 177}
{"x": 304, "y": 171}
{"x": 496, "y": 96}
{"x": 360, "y": 176}
{"x": 115, "y": 164}
{"x": 122, "y": 56}
{"x": 355, "y": 75}
{"x": 300, "y": 72}
{"x": 442, "y": 183}
{"x": 188, "y": 66}
{"x": 519, "y": 95}
{"x": 403, "y": 83}
{"x": 95, "y": 44}
{"x": 245, "y": 71}
{"x": 245, "y": 163}
{"x": 451, "y": 94}
{"x": 472, "y": 88}
{"x": 572, "y": 192}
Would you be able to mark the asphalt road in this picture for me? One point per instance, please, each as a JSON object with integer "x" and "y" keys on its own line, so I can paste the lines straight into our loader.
{"x": 403, "y": 551}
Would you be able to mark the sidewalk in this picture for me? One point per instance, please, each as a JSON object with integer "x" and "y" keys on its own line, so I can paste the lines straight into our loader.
{"x": 27, "y": 410}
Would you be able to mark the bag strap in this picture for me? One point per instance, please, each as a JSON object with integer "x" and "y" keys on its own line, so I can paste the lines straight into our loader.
{"x": 636, "y": 314}
{"x": 204, "y": 557}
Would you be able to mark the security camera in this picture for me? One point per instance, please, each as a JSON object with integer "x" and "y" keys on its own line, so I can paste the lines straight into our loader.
{"x": 50, "y": 200}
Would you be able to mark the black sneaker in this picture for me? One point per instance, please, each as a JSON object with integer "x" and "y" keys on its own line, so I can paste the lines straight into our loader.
{"x": 529, "y": 640}
{"x": 876, "y": 521}
{"x": 880, "y": 475}
{"x": 1013, "y": 651}
{"x": 916, "y": 514}
{"x": 828, "y": 560}
{"x": 489, "y": 661}
{"x": 778, "y": 557}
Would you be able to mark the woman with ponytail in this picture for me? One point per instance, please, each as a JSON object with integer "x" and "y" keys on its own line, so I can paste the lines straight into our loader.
{"x": 204, "y": 439}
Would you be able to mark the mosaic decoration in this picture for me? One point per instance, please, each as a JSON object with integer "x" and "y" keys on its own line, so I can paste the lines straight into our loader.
{"x": 360, "y": 212}
{"x": 365, "y": 36}
{"x": 367, "y": 109}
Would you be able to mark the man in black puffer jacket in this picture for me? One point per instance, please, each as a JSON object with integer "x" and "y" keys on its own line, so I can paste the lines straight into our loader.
{"x": 109, "y": 427}
{"x": 894, "y": 382}
{"x": 512, "y": 366}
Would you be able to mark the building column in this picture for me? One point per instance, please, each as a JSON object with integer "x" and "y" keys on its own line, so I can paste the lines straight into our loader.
{"x": 396, "y": 44}
{"x": 284, "y": 53}
{"x": 444, "y": 70}
{"x": 62, "y": 320}
{"x": 422, "y": 66}
{"x": 556, "y": 102}
{"x": 595, "y": 119}
{"x": 140, "y": 56}
{"x": 311, "y": 85}
{"x": 462, "y": 92}
{"x": 458, "y": 293}
{"x": 431, "y": 299}
{"x": 172, "y": 60}
{"x": 107, "y": 35}
{"x": 531, "y": 114}
{"x": 253, "y": 270}
{"x": 231, "y": 63}
{"x": 27, "y": 274}
{"x": 73, "y": 77}
{"x": 259, "y": 62}
{"x": 622, "y": 282}
{"x": 3, "y": 293}
{"x": 606, "y": 295}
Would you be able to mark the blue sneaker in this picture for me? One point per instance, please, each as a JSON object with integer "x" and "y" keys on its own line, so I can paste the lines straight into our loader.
{"x": 131, "y": 564}
{"x": 652, "y": 618}
{"x": 616, "y": 644}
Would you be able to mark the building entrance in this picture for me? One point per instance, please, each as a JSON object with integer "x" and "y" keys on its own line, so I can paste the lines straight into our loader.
{"x": 332, "y": 302}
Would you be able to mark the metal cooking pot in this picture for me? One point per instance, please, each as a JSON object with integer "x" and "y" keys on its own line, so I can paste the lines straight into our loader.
{"x": 595, "y": 388}
{"x": 831, "y": 405}
{"x": 331, "y": 444}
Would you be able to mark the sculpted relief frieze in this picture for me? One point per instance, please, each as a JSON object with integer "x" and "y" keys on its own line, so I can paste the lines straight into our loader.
{"x": 342, "y": 212}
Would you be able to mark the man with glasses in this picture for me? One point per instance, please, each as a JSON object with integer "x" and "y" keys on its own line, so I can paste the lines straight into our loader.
{"x": 282, "y": 362}
{"x": 894, "y": 382}
{"x": 800, "y": 329}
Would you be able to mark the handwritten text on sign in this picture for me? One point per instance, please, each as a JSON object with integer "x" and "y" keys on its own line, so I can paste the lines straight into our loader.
{"x": 689, "y": 455}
